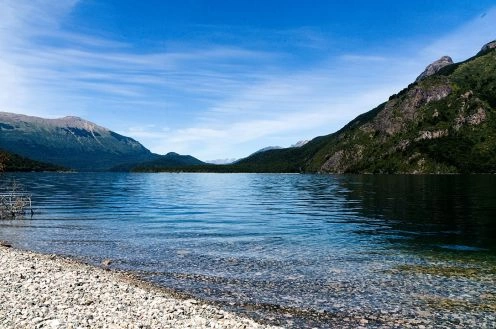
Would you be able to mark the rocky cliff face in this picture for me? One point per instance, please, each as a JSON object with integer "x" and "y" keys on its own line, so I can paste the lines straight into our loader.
{"x": 70, "y": 141}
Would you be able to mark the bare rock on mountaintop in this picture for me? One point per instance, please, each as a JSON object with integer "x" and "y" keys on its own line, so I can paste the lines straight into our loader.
{"x": 489, "y": 46}
{"x": 435, "y": 67}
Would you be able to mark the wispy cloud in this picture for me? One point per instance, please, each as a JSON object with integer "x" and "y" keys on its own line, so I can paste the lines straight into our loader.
{"x": 279, "y": 111}
{"x": 363, "y": 58}
{"x": 83, "y": 66}
{"x": 286, "y": 107}
{"x": 212, "y": 100}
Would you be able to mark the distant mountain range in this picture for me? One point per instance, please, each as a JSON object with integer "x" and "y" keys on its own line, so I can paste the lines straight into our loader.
{"x": 270, "y": 148}
{"x": 221, "y": 161}
{"x": 444, "y": 122}
{"x": 72, "y": 142}
{"x": 168, "y": 162}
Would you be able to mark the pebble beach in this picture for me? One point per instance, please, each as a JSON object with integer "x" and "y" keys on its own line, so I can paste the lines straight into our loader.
{"x": 50, "y": 291}
{"x": 47, "y": 291}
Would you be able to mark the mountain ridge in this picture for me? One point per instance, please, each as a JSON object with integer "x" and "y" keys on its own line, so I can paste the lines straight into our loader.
{"x": 69, "y": 141}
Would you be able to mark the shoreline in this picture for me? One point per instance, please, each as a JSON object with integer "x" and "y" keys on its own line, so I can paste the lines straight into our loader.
{"x": 40, "y": 290}
{"x": 50, "y": 291}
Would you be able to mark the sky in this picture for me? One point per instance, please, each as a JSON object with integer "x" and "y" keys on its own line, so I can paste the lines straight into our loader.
{"x": 221, "y": 79}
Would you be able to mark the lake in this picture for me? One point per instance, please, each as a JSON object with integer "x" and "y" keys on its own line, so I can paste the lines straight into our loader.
{"x": 295, "y": 250}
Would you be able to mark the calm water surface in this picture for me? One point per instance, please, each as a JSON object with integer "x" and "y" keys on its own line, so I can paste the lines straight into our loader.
{"x": 259, "y": 242}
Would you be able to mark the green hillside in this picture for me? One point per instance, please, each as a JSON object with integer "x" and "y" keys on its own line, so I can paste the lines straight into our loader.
{"x": 13, "y": 162}
{"x": 445, "y": 123}
{"x": 70, "y": 142}
{"x": 168, "y": 162}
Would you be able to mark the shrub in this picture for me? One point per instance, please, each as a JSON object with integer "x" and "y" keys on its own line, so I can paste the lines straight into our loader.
{"x": 14, "y": 201}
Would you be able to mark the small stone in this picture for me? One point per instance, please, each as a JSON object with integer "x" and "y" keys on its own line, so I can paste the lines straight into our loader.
{"x": 5, "y": 244}
{"x": 106, "y": 262}
{"x": 54, "y": 323}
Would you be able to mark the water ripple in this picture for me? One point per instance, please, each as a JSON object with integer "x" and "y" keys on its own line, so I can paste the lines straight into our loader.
{"x": 274, "y": 239}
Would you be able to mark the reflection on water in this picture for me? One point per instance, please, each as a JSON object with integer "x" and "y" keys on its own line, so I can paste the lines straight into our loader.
{"x": 286, "y": 240}
{"x": 431, "y": 210}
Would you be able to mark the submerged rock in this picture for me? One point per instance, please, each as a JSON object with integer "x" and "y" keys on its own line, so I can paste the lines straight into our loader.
{"x": 5, "y": 244}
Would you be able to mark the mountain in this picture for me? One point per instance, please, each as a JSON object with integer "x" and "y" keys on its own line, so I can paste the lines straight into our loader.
{"x": 300, "y": 143}
{"x": 263, "y": 150}
{"x": 70, "y": 142}
{"x": 445, "y": 122}
{"x": 167, "y": 162}
{"x": 222, "y": 161}
{"x": 13, "y": 162}
{"x": 268, "y": 148}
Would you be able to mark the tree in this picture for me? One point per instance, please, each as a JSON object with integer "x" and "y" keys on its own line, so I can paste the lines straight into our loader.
{"x": 3, "y": 160}
{"x": 14, "y": 201}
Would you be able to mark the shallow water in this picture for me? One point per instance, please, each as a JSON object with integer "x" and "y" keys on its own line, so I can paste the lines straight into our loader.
{"x": 262, "y": 243}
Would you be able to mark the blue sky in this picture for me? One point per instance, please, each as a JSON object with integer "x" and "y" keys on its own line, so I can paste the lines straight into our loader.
{"x": 222, "y": 79}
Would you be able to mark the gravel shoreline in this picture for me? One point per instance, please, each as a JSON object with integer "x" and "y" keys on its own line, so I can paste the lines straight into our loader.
{"x": 47, "y": 291}
{"x": 50, "y": 291}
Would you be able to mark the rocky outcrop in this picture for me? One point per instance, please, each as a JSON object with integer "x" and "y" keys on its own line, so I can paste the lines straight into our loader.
{"x": 473, "y": 119}
{"x": 335, "y": 163}
{"x": 401, "y": 111}
{"x": 428, "y": 135}
{"x": 341, "y": 161}
{"x": 489, "y": 46}
{"x": 435, "y": 67}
